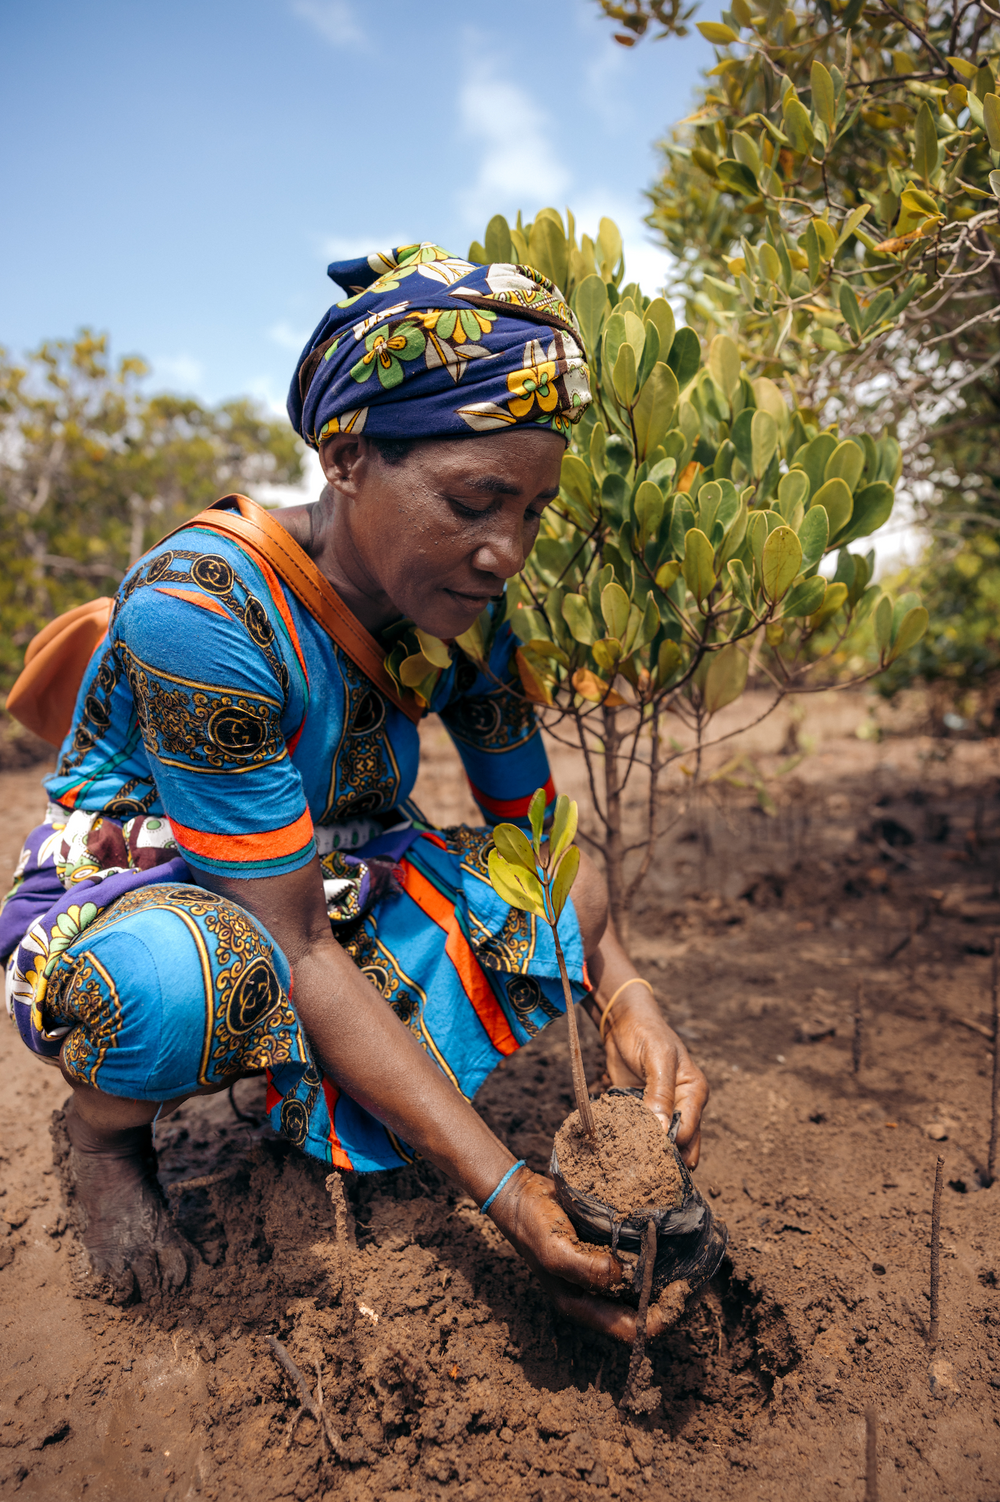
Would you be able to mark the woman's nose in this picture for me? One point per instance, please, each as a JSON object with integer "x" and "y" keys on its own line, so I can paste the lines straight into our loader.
{"x": 503, "y": 553}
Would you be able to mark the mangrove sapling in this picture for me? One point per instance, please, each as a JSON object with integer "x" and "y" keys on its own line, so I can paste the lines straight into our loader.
{"x": 537, "y": 877}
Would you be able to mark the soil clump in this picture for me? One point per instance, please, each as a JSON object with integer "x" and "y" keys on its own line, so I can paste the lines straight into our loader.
{"x": 628, "y": 1164}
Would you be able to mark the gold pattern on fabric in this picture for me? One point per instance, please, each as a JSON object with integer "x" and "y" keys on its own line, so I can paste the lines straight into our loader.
{"x": 203, "y": 727}
{"x": 494, "y": 722}
{"x": 249, "y": 1019}
{"x": 408, "y": 1000}
{"x": 89, "y": 996}
{"x": 526, "y": 996}
{"x": 364, "y": 777}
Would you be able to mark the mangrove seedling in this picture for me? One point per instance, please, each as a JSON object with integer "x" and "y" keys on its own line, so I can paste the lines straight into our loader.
{"x": 536, "y": 876}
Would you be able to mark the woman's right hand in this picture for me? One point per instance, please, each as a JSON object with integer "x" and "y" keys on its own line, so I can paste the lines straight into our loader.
{"x": 573, "y": 1274}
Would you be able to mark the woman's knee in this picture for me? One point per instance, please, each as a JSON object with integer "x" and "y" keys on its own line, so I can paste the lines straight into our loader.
{"x": 590, "y": 900}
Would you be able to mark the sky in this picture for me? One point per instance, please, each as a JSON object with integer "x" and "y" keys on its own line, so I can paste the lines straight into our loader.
{"x": 178, "y": 176}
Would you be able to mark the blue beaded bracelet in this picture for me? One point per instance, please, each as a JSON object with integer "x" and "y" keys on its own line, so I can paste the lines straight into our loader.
{"x": 508, "y": 1175}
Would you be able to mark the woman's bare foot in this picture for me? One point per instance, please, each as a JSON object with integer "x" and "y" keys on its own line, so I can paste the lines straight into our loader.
{"x": 110, "y": 1184}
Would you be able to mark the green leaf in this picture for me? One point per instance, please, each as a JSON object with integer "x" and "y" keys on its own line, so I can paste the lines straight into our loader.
{"x": 806, "y": 597}
{"x": 685, "y": 356}
{"x": 991, "y": 120}
{"x": 536, "y": 816}
{"x": 598, "y": 447}
{"x": 564, "y": 822}
{"x": 615, "y": 607}
{"x": 607, "y": 654}
{"x": 514, "y": 845}
{"x": 716, "y": 33}
{"x": 590, "y": 303}
{"x": 881, "y": 622}
{"x": 793, "y": 491}
{"x": 576, "y": 614}
{"x": 498, "y": 244}
{"x": 780, "y": 562}
{"x": 812, "y": 457}
{"x": 724, "y": 364}
{"x": 647, "y": 504}
{"x": 835, "y": 497}
{"x": 578, "y": 482}
{"x": 655, "y": 408}
{"x": 668, "y": 660}
{"x": 624, "y": 374}
{"x": 699, "y": 573}
{"x": 725, "y": 678}
{"x": 434, "y": 649}
{"x": 515, "y": 886}
{"x": 742, "y": 587}
{"x": 611, "y": 341}
{"x": 763, "y": 442}
{"x": 814, "y": 534}
{"x": 834, "y": 598}
{"x": 872, "y": 507}
{"x": 995, "y": 184}
{"x": 823, "y": 98}
{"x": 848, "y": 227}
{"x": 846, "y": 463}
{"x": 648, "y": 625}
{"x": 661, "y": 315}
{"x": 668, "y": 573}
{"x": 850, "y": 310}
{"x": 911, "y": 628}
{"x": 741, "y": 436}
{"x": 738, "y": 177}
{"x": 798, "y": 127}
{"x": 925, "y": 143}
{"x": 564, "y": 879}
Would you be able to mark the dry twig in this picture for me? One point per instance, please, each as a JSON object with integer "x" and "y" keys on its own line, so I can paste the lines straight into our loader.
{"x": 932, "y": 1333}
{"x": 639, "y": 1344}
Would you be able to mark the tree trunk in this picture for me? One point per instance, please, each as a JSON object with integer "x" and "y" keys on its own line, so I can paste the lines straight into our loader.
{"x": 614, "y": 856}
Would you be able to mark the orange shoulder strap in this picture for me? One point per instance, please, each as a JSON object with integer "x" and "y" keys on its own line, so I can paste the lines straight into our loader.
{"x": 255, "y": 529}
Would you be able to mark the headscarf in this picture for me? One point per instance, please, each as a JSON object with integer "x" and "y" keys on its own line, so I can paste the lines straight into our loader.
{"x": 429, "y": 346}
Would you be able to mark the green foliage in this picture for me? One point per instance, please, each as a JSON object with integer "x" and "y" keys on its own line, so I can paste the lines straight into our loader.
{"x": 93, "y": 470}
{"x": 832, "y": 203}
{"x": 694, "y": 512}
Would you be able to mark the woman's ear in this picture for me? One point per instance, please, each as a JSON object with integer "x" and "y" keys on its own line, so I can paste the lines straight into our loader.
{"x": 343, "y": 458}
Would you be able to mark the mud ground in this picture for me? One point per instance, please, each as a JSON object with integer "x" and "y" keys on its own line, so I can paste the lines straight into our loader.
{"x": 441, "y": 1370}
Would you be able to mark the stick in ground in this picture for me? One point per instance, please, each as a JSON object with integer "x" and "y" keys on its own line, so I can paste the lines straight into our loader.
{"x": 936, "y": 1251}
{"x": 991, "y": 1157}
{"x": 639, "y": 1344}
{"x": 871, "y": 1455}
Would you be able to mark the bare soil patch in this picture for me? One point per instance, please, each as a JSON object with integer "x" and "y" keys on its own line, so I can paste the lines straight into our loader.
{"x": 442, "y": 1371}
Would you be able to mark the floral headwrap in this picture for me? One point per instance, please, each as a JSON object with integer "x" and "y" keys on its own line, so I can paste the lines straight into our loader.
{"x": 427, "y": 346}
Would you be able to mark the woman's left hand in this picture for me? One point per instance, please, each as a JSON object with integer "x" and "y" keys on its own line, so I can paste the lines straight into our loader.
{"x": 642, "y": 1049}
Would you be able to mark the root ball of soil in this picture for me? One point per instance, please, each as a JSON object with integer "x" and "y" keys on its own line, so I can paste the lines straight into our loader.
{"x": 629, "y": 1164}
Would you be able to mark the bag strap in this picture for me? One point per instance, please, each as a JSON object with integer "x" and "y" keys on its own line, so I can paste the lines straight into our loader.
{"x": 255, "y": 529}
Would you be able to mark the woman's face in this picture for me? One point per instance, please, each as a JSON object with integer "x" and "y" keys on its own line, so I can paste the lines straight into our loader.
{"x": 435, "y": 537}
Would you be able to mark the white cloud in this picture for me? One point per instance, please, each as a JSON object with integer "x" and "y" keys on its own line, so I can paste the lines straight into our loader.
{"x": 179, "y": 371}
{"x": 519, "y": 166}
{"x": 283, "y": 334}
{"x": 335, "y": 21}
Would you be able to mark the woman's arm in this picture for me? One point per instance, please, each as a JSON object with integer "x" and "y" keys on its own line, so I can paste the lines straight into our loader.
{"x": 366, "y": 1050}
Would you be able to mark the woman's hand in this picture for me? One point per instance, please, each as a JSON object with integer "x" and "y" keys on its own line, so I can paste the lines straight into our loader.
{"x": 573, "y": 1274}
{"x": 641, "y": 1049}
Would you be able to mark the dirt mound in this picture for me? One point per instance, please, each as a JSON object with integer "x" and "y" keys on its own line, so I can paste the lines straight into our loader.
{"x": 627, "y": 1165}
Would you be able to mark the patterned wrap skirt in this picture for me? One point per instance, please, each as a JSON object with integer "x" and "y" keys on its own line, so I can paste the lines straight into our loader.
{"x": 151, "y": 987}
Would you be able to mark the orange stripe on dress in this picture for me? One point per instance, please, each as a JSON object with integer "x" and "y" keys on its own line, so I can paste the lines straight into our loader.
{"x": 205, "y": 601}
{"x": 474, "y": 983}
{"x": 509, "y": 808}
{"x": 267, "y": 844}
{"x": 338, "y": 1157}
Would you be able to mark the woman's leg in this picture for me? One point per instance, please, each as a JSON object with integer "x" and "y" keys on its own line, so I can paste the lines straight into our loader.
{"x": 173, "y": 993}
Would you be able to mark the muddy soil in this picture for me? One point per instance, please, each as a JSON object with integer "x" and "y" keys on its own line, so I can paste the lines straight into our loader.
{"x": 442, "y": 1371}
{"x": 628, "y": 1165}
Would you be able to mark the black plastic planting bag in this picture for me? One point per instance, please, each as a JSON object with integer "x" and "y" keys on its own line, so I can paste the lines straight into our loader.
{"x": 690, "y": 1243}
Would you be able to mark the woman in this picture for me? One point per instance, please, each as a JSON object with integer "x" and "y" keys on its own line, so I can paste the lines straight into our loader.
{"x": 188, "y": 914}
